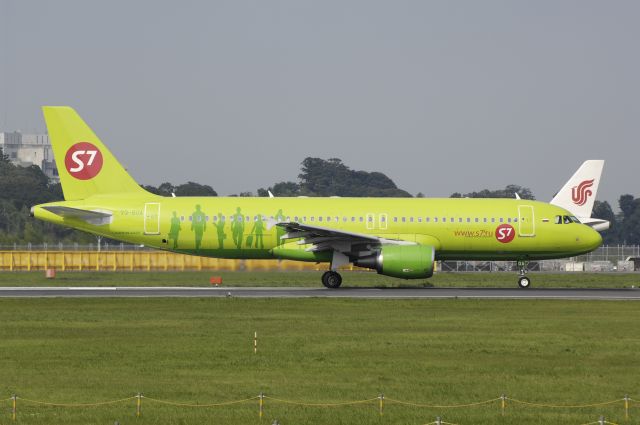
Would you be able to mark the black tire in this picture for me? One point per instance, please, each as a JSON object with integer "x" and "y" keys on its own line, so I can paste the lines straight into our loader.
{"x": 524, "y": 282}
{"x": 331, "y": 279}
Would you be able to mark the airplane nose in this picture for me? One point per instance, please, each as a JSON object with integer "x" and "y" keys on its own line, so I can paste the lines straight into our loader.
{"x": 591, "y": 238}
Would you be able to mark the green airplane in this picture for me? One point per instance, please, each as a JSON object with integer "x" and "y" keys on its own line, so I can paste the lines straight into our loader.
{"x": 396, "y": 237}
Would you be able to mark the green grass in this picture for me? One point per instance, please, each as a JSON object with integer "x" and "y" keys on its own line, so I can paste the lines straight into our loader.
{"x": 312, "y": 279}
{"x": 317, "y": 350}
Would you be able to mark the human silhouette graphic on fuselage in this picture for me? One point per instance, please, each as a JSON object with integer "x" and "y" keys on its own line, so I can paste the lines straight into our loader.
{"x": 237, "y": 228}
{"x": 174, "y": 229}
{"x": 258, "y": 230}
{"x": 279, "y": 230}
{"x": 198, "y": 225}
{"x": 220, "y": 229}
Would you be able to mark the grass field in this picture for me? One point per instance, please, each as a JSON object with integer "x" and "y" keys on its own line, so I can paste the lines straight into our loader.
{"x": 312, "y": 279}
{"x": 317, "y": 350}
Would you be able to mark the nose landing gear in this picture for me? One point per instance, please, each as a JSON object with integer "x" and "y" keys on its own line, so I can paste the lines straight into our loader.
{"x": 523, "y": 280}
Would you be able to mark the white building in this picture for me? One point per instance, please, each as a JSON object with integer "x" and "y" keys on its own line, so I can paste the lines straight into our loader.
{"x": 30, "y": 149}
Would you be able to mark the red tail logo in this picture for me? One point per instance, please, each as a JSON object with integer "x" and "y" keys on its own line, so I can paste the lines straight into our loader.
{"x": 581, "y": 193}
{"x": 83, "y": 160}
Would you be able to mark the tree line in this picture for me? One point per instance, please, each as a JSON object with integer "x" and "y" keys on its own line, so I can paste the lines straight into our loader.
{"x": 23, "y": 187}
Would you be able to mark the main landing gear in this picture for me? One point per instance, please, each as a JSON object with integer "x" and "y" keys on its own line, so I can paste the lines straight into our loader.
{"x": 523, "y": 281}
{"x": 331, "y": 279}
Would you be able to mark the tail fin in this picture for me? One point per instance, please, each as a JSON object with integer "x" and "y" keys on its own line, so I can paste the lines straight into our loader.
{"x": 85, "y": 165}
{"x": 579, "y": 193}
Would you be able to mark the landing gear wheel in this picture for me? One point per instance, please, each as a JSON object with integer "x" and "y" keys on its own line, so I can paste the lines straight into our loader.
{"x": 331, "y": 279}
{"x": 524, "y": 282}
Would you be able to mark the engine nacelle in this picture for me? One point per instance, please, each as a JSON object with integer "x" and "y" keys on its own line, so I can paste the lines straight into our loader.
{"x": 403, "y": 261}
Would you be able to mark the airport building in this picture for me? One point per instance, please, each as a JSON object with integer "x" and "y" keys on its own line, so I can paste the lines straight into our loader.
{"x": 30, "y": 149}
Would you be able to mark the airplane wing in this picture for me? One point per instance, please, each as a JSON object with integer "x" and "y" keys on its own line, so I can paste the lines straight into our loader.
{"x": 346, "y": 246}
{"x": 91, "y": 217}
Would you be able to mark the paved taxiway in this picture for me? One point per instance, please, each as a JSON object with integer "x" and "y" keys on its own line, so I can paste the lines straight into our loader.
{"x": 481, "y": 293}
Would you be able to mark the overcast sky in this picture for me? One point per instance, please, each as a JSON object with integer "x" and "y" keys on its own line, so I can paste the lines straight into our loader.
{"x": 442, "y": 96}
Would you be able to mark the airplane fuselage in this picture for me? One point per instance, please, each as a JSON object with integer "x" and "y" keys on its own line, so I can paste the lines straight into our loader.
{"x": 235, "y": 227}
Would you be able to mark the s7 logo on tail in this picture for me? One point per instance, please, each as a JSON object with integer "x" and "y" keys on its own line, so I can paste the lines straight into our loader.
{"x": 581, "y": 193}
{"x": 83, "y": 160}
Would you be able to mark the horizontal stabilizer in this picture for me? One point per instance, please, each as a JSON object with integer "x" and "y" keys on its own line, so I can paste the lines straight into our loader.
{"x": 92, "y": 217}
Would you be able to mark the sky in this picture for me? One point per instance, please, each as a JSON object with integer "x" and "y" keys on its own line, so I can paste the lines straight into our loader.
{"x": 442, "y": 96}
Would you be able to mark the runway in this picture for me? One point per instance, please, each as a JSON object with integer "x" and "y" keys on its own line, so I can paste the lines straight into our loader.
{"x": 371, "y": 293}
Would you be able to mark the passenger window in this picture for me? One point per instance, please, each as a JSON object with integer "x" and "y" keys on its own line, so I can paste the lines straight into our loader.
{"x": 493, "y": 219}
{"x": 411, "y": 219}
{"x": 468, "y": 220}
{"x": 427, "y": 219}
{"x": 508, "y": 219}
{"x": 395, "y": 219}
{"x": 460, "y": 220}
{"x": 485, "y": 219}
{"x": 320, "y": 218}
{"x": 501, "y": 220}
{"x": 477, "y": 220}
{"x": 419, "y": 219}
{"x": 404, "y": 219}
{"x": 435, "y": 219}
{"x": 344, "y": 219}
{"x": 361, "y": 219}
{"x": 353, "y": 219}
{"x": 383, "y": 218}
{"x": 313, "y": 218}
{"x": 328, "y": 218}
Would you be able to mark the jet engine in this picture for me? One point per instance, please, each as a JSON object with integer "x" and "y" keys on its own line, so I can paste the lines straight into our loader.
{"x": 403, "y": 261}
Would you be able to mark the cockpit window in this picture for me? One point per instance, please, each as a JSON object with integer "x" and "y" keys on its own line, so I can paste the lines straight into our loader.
{"x": 567, "y": 219}
{"x": 558, "y": 219}
{"x": 575, "y": 219}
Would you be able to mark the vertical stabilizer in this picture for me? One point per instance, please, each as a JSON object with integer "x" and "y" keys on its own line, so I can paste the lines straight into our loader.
{"x": 85, "y": 165}
{"x": 579, "y": 193}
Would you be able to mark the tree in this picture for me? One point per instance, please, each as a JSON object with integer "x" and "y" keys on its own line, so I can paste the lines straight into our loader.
{"x": 281, "y": 189}
{"x": 508, "y": 192}
{"x": 4, "y": 159}
{"x": 603, "y": 211}
{"x": 195, "y": 189}
{"x": 331, "y": 177}
{"x": 186, "y": 189}
{"x": 627, "y": 205}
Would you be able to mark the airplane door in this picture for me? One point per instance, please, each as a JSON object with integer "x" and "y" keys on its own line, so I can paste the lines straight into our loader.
{"x": 526, "y": 221}
{"x": 152, "y": 218}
